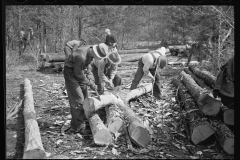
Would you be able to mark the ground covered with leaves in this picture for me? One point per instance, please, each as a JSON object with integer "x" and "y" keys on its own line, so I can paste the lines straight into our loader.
{"x": 168, "y": 137}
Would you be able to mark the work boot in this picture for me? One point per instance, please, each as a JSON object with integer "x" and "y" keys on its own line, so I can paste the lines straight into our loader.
{"x": 85, "y": 129}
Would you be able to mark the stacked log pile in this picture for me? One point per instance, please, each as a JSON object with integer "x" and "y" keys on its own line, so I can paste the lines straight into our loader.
{"x": 118, "y": 115}
{"x": 203, "y": 112}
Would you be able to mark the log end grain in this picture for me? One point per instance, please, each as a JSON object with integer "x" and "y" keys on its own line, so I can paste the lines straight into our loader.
{"x": 116, "y": 126}
{"x": 228, "y": 146}
{"x": 228, "y": 117}
{"x": 34, "y": 154}
{"x": 103, "y": 137}
{"x": 201, "y": 133}
{"x": 139, "y": 135}
{"x": 209, "y": 105}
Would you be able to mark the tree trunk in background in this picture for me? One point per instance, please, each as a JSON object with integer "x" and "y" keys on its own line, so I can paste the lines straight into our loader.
{"x": 122, "y": 39}
{"x": 79, "y": 28}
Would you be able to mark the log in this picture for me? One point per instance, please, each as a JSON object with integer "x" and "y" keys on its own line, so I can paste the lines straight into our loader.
{"x": 208, "y": 78}
{"x": 101, "y": 135}
{"x": 55, "y": 57}
{"x": 138, "y": 92}
{"x": 133, "y": 51}
{"x": 139, "y": 134}
{"x": 114, "y": 118}
{"x": 33, "y": 148}
{"x": 224, "y": 135}
{"x": 228, "y": 115}
{"x": 198, "y": 128}
{"x": 206, "y": 103}
{"x": 196, "y": 79}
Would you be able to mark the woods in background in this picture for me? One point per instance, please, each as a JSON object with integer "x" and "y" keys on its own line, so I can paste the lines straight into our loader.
{"x": 54, "y": 25}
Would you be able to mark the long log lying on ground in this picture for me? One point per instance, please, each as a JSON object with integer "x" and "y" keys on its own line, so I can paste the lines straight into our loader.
{"x": 224, "y": 136}
{"x": 101, "y": 135}
{"x": 196, "y": 79}
{"x": 139, "y": 134}
{"x": 227, "y": 115}
{"x": 138, "y": 91}
{"x": 208, "y": 78}
{"x": 33, "y": 148}
{"x": 207, "y": 104}
{"x": 55, "y": 57}
{"x": 198, "y": 128}
{"x": 114, "y": 118}
{"x": 133, "y": 51}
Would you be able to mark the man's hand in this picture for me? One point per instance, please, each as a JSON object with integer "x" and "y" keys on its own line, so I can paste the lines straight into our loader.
{"x": 93, "y": 86}
{"x": 110, "y": 84}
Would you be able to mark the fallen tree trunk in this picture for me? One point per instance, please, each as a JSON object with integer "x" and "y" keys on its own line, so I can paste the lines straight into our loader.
{"x": 198, "y": 128}
{"x": 114, "y": 118}
{"x": 196, "y": 79}
{"x": 228, "y": 115}
{"x": 133, "y": 51}
{"x": 55, "y": 57}
{"x": 137, "y": 131}
{"x": 207, "y": 104}
{"x": 33, "y": 148}
{"x": 208, "y": 78}
{"x": 224, "y": 136}
{"x": 101, "y": 135}
{"x": 138, "y": 91}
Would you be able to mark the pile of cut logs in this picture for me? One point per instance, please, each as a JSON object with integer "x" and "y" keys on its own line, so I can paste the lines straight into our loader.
{"x": 120, "y": 118}
{"x": 205, "y": 116}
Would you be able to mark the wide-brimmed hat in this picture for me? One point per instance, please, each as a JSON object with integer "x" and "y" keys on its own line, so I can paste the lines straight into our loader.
{"x": 162, "y": 61}
{"x": 100, "y": 50}
{"x": 162, "y": 50}
{"x": 114, "y": 58}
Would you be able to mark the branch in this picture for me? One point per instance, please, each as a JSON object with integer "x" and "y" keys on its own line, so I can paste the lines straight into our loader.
{"x": 229, "y": 32}
{"x": 223, "y": 16}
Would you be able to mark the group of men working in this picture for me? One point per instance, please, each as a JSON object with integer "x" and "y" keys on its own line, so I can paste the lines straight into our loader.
{"x": 84, "y": 62}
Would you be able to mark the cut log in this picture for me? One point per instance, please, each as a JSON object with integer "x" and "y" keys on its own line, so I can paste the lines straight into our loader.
{"x": 137, "y": 131}
{"x": 133, "y": 51}
{"x": 55, "y": 58}
{"x": 114, "y": 118}
{"x": 228, "y": 115}
{"x": 138, "y": 91}
{"x": 224, "y": 136}
{"x": 33, "y": 148}
{"x": 101, "y": 135}
{"x": 206, "y": 103}
{"x": 196, "y": 79}
{"x": 208, "y": 78}
{"x": 198, "y": 128}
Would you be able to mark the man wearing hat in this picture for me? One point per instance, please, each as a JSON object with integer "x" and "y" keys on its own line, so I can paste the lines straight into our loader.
{"x": 147, "y": 66}
{"x": 111, "y": 41}
{"x": 105, "y": 71}
{"x": 76, "y": 83}
{"x": 71, "y": 46}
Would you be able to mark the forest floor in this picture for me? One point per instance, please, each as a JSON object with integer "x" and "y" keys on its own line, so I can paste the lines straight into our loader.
{"x": 164, "y": 116}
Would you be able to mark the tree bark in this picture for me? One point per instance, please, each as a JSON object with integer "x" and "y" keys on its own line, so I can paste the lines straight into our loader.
{"x": 198, "y": 129}
{"x": 101, "y": 135}
{"x": 33, "y": 147}
{"x": 224, "y": 136}
{"x": 207, "y": 104}
{"x": 208, "y": 78}
{"x": 196, "y": 79}
{"x": 114, "y": 118}
{"x": 137, "y": 131}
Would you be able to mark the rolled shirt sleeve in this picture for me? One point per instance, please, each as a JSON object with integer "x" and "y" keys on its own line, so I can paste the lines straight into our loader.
{"x": 147, "y": 61}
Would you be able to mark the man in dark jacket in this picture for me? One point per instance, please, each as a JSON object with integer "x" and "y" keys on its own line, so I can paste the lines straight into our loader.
{"x": 224, "y": 86}
{"x": 111, "y": 41}
{"x": 76, "y": 83}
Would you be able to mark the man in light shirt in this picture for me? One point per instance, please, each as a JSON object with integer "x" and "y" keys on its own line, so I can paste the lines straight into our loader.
{"x": 105, "y": 72}
{"x": 147, "y": 66}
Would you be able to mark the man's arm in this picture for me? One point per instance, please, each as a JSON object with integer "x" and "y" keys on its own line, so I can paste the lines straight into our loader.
{"x": 147, "y": 63}
{"x": 78, "y": 71}
{"x": 100, "y": 65}
{"x": 113, "y": 71}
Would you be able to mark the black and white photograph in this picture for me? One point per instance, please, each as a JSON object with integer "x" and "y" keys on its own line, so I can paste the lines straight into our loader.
{"x": 119, "y": 81}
